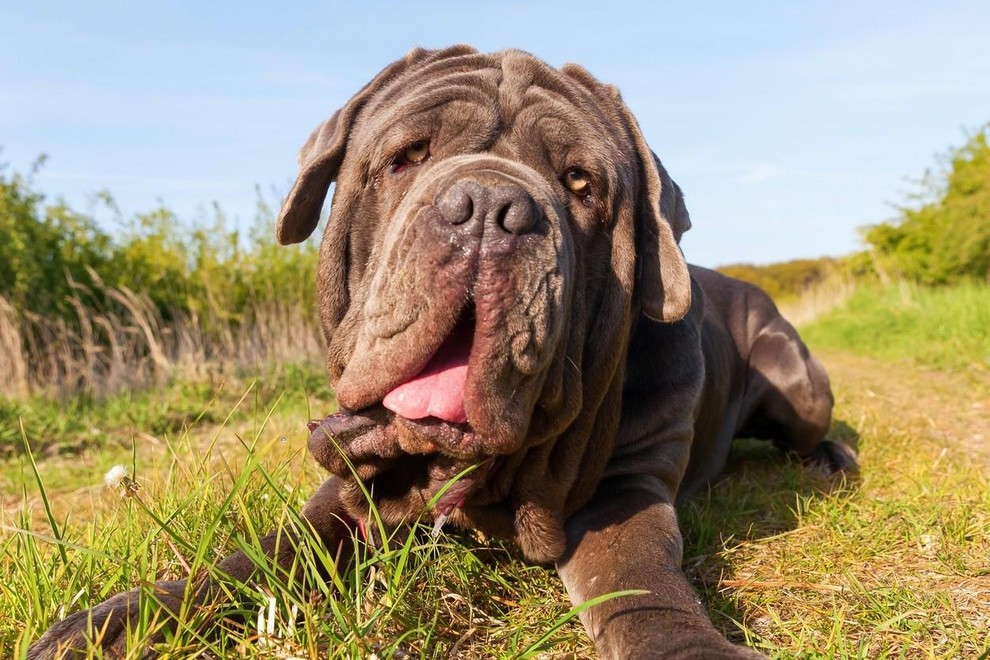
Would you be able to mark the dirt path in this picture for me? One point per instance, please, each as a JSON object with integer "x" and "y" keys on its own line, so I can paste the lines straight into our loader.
{"x": 951, "y": 408}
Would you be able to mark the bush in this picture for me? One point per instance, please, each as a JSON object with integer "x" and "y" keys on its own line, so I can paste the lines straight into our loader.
{"x": 946, "y": 238}
{"x": 44, "y": 248}
{"x": 83, "y": 309}
{"x": 787, "y": 280}
{"x": 50, "y": 254}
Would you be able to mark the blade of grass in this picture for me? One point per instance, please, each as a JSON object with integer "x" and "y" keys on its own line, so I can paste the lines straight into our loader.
{"x": 56, "y": 530}
{"x": 540, "y": 644}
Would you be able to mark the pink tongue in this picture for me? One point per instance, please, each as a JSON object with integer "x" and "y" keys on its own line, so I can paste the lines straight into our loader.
{"x": 438, "y": 390}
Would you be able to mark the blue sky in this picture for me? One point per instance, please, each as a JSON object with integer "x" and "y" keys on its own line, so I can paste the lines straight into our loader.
{"x": 788, "y": 125}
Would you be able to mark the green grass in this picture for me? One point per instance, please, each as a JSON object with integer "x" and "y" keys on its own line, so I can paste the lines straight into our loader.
{"x": 74, "y": 424}
{"x": 896, "y": 564}
{"x": 415, "y": 596}
{"x": 947, "y": 328}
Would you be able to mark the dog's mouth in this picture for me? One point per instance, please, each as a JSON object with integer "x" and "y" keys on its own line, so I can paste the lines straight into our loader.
{"x": 418, "y": 435}
{"x": 437, "y": 391}
{"x": 429, "y": 403}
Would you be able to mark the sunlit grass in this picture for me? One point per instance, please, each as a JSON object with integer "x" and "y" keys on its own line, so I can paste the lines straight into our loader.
{"x": 892, "y": 565}
{"x": 946, "y": 327}
{"x": 214, "y": 490}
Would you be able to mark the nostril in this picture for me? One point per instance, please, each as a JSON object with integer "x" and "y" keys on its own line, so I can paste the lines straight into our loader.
{"x": 517, "y": 216}
{"x": 508, "y": 208}
{"x": 457, "y": 204}
{"x": 503, "y": 216}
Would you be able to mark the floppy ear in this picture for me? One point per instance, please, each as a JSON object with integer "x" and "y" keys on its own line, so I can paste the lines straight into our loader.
{"x": 672, "y": 202}
{"x": 662, "y": 279}
{"x": 663, "y": 282}
{"x": 321, "y": 156}
{"x": 319, "y": 161}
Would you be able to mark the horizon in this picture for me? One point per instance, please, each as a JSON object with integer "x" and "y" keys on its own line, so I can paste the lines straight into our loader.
{"x": 787, "y": 127}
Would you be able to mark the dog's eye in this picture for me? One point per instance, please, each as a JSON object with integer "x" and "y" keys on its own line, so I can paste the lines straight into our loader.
{"x": 414, "y": 154}
{"x": 418, "y": 152}
{"x": 578, "y": 181}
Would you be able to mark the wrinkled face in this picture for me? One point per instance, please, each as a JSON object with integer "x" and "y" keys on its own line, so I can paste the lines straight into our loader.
{"x": 477, "y": 268}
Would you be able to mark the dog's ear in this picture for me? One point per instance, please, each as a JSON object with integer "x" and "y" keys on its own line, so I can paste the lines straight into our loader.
{"x": 664, "y": 283}
{"x": 672, "y": 202}
{"x": 321, "y": 156}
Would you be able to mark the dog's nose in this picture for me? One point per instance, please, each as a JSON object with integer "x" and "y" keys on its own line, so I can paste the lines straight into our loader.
{"x": 507, "y": 207}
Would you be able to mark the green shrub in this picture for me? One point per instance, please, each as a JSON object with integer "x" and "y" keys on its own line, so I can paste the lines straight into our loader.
{"x": 84, "y": 308}
{"x": 947, "y": 237}
{"x": 44, "y": 248}
{"x": 50, "y": 253}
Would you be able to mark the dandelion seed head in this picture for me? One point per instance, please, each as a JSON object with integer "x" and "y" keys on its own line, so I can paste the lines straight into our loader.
{"x": 115, "y": 476}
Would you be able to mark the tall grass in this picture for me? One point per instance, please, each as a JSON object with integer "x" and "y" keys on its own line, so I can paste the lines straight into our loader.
{"x": 128, "y": 342}
{"x": 420, "y": 593}
{"x": 91, "y": 308}
{"x": 817, "y": 300}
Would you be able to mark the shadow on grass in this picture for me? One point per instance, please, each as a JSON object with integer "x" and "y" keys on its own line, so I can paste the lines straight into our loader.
{"x": 757, "y": 497}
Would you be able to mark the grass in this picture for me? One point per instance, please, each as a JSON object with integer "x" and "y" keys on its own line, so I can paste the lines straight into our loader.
{"x": 67, "y": 426}
{"x": 896, "y": 564}
{"x": 127, "y": 342}
{"x": 946, "y": 327}
{"x": 216, "y": 489}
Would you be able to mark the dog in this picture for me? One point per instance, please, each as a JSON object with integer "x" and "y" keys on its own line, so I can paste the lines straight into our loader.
{"x": 501, "y": 288}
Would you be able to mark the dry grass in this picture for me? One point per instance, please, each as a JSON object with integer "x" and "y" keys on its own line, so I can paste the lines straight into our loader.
{"x": 128, "y": 343}
{"x": 819, "y": 299}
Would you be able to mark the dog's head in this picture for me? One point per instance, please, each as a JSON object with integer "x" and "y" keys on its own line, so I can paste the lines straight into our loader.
{"x": 496, "y": 226}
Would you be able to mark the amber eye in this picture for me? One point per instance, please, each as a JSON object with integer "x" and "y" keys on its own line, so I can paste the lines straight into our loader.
{"x": 578, "y": 181}
{"x": 415, "y": 153}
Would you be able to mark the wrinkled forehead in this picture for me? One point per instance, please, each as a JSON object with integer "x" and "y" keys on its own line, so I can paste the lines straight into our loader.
{"x": 480, "y": 98}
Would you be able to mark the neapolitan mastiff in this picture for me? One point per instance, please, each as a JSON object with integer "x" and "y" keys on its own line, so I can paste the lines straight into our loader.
{"x": 500, "y": 284}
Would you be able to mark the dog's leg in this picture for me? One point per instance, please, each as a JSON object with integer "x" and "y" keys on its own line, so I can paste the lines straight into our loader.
{"x": 628, "y": 538}
{"x": 107, "y": 624}
{"x": 791, "y": 399}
